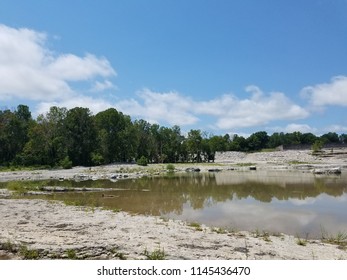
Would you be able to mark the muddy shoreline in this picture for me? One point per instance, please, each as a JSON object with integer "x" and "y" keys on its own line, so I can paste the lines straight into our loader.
{"x": 51, "y": 230}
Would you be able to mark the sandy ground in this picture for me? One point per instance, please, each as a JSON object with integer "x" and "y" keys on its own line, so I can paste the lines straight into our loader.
{"x": 55, "y": 230}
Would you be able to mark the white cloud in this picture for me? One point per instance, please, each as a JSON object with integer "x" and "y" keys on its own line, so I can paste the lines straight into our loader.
{"x": 31, "y": 71}
{"x": 230, "y": 112}
{"x": 73, "y": 68}
{"x": 94, "y": 104}
{"x": 101, "y": 86}
{"x": 336, "y": 127}
{"x": 259, "y": 109}
{"x": 303, "y": 128}
{"x": 170, "y": 107}
{"x": 333, "y": 93}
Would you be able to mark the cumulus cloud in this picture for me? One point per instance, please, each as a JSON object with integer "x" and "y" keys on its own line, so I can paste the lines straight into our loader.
{"x": 229, "y": 111}
{"x": 304, "y": 128}
{"x": 170, "y": 107}
{"x": 30, "y": 70}
{"x": 101, "y": 86}
{"x": 259, "y": 109}
{"x": 94, "y": 104}
{"x": 326, "y": 94}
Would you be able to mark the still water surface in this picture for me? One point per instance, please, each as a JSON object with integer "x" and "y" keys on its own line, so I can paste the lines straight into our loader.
{"x": 277, "y": 201}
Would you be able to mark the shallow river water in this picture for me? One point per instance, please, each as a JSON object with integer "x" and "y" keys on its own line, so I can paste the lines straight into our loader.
{"x": 277, "y": 201}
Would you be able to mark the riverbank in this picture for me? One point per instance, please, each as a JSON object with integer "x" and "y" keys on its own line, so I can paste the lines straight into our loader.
{"x": 276, "y": 160}
{"x": 48, "y": 230}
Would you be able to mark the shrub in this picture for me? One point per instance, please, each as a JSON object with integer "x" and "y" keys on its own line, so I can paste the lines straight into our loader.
{"x": 317, "y": 146}
{"x": 97, "y": 159}
{"x": 170, "y": 168}
{"x": 143, "y": 161}
{"x": 66, "y": 163}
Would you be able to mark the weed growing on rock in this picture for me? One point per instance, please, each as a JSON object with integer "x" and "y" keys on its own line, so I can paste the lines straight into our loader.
{"x": 195, "y": 225}
{"x": 8, "y": 246}
{"x": 157, "y": 254}
{"x": 301, "y": 241}
{"x": 339, "y": 239}
{"x": 71, "y": 254}
{"x": 28, "y": 254}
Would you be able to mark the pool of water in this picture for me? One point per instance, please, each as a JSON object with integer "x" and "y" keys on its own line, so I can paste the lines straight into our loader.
{"x": 277, "y": 201}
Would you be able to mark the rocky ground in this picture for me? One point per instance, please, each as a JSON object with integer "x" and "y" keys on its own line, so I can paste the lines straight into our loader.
{"x": 43, "y": 229}
{"x": 53, "y": 230}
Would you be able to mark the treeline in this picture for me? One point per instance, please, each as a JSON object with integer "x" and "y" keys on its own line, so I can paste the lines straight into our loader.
{"x": 74, "y": 137}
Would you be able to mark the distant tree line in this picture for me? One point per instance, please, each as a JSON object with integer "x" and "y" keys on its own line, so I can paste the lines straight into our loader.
{"x": 74, "y": 137}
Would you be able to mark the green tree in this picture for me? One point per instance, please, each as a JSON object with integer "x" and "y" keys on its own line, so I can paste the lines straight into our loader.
{"x": 238, "y": 143}
{"x": 14, "y": 129}
{"x": 110, "y": 125}
{"x": 47, "y": 142}
{"x": 145, "y": 139}
{"x": 343, "y": 138}
{"x": 218, "y": 144}
{"x": 171, "y": 144}
{"x": 258, "y": 140}
{"x": 194, "y": 145}
{"x": 80, "y": 135}
{"x": 330, "y": 137}
{"x": 308, "y": 138}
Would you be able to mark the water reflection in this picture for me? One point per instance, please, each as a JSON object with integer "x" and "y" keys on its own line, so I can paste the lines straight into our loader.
{"x": 290, "y": 202}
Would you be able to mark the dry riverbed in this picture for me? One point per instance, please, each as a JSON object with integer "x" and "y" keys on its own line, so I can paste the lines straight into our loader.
{"x": 48, "y": 230}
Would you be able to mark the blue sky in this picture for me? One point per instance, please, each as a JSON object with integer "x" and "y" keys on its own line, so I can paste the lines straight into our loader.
{"x": 223, "y": 66}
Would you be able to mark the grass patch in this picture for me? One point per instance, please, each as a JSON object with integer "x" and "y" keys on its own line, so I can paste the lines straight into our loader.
{"x": 28, "y": 254}
{"x": 268, "y": 150}
{"x": 301, "y": 241}
{"x": 71, "y": 254}
{"x": 264, "y": 235}
{"x": 170, "y": 168}
{"x": 339, "y": 238}
{"x": 245, "y": 164}
{"x": 24, "y": 168}
{"x": 196, "y": 226}
{"x": 8, "y": 246}
{"x": 158, "y": 254}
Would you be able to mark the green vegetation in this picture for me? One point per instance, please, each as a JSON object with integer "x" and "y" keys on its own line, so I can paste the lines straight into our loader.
{"x": 157, "y": 254}
{"x": 264, "y": 235}
{"x": 64, "y": 138}
{"x": 71, "y": 254}
{"x": 317, "y": 146}
{"x": 302, "y": 241}
{"x": 196, "y": 226}
{"x": 170, "y": 168}
{"x": 66, "y": 163}
{"x": 245, "y": 164}
{"x": 339, "y": 239}
{"x": 8, "y": 246}
{"x": 143, "y": 161}
{"x": 28, "y": 254}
